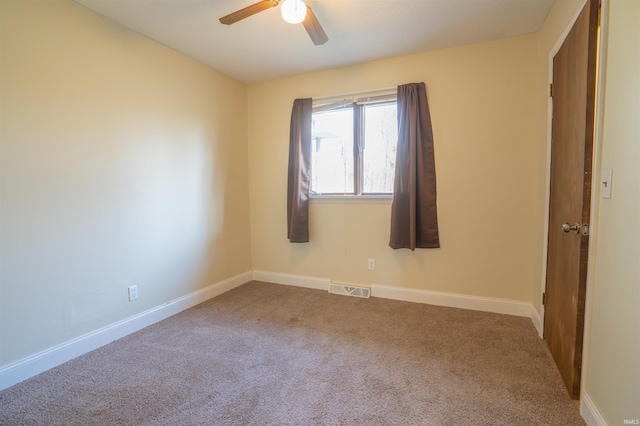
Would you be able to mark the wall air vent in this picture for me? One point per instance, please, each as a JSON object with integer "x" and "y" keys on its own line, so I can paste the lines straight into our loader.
{"x": 349, "y": 290}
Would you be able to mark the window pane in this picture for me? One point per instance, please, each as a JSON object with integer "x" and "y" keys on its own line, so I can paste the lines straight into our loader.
{"x": 379, "y": 156}
{"x": 332, "y": 152}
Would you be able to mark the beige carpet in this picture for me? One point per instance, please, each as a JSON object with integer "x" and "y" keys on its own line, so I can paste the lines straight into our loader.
{"x": 265, "y": 354}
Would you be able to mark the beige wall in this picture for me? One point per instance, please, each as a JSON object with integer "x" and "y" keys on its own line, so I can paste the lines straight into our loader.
{"x": 613, "y": 363}
{"x": 482, "y": 100}
{"x": 123, "y": 162}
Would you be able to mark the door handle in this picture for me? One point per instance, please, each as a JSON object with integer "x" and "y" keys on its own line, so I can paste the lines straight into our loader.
{"x": 575, "y": 227}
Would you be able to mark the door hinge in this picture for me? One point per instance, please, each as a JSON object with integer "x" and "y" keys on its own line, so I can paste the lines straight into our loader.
{"x": 551, "y": 90}
{"x": 585, "y": 229}
{"x": 544, "y": 299}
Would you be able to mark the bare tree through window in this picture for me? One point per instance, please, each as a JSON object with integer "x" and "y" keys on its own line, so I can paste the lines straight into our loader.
{"x": 333, "y": 162}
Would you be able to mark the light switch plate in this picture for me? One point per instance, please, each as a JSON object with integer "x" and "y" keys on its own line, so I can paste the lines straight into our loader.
{"x": 605, "y": 183}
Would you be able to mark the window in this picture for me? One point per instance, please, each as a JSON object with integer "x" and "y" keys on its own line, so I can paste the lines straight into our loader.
{"x": 354, "y": 146}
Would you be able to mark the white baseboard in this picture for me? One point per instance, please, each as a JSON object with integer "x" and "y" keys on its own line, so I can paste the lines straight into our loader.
{"x": 35, "y": 364}
{"x": 476, "y": 303}
{"x": 589, "y": 412}
{"x": 42, "y": 361}
{"x": 486, "y": 304}
{"x": 536, "y": 319}
{"x": 294, "y": 280}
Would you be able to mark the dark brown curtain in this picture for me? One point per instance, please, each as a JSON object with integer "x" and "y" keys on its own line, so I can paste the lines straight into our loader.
{"x": 414, "y": 217}
{"x": 299, "y": 171}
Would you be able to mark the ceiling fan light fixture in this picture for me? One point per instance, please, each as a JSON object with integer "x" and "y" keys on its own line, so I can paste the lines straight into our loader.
{"x": 293, "y": 11}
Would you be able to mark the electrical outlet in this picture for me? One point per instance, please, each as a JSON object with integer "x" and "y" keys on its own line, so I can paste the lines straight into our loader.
{"x": 133, "y": 293}
{"x": 372, "y": 264}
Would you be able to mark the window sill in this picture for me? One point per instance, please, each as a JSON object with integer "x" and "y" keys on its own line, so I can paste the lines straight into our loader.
{"x": 350, "y": 199}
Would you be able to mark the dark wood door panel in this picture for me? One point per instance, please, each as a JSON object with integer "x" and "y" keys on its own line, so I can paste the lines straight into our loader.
{"x": 574, "y": 81}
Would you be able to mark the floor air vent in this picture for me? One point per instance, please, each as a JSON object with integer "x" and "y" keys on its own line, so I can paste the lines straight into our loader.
{"x": 349, "y": 290}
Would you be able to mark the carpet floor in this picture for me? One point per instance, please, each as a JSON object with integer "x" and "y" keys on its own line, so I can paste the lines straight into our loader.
{"x": 267, "y": 354}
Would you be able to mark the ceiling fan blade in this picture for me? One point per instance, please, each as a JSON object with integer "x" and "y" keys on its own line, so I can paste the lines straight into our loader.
{"x": 314, "y": 29}
{"x": 238, "y": 15}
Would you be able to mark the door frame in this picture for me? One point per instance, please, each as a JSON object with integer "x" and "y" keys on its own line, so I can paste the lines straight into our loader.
{"x": 595, "y": 181}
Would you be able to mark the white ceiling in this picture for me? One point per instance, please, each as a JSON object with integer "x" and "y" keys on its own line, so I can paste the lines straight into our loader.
{"x": 264, "y": 47}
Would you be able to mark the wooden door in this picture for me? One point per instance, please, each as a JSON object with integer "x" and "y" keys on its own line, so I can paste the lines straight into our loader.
{"x": 574, "y": 84}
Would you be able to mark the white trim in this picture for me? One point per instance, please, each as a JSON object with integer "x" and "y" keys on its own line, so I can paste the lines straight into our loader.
{"x": 595, "y": 194}
{"x": 293, "y": 280}
{"x": 355, "y": 95}
{"x": 536, "y": 319}
{"x": 476, "y": 303}
{"x": 589, "y": 412}
{"x": 52, "y": 357}
{"x": 351, "y": 199}
{"x": 42, "y": 361}
{"x": 542, "y": 311}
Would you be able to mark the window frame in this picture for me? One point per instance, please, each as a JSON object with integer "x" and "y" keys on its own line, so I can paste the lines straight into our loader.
{"x": 358, "y": 104}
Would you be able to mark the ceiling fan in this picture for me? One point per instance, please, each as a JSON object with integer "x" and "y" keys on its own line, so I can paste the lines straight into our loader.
{"x": 293, "y": 11}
